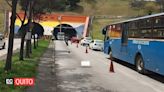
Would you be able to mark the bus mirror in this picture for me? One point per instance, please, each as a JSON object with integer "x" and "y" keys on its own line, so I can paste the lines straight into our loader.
{"x": 108, "y": 38}
{"x": 103, "y": 31}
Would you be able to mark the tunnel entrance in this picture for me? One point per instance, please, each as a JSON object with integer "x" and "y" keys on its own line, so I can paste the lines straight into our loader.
{"x": 66, "y": 28}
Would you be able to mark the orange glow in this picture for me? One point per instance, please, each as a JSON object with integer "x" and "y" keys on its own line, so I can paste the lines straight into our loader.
{"x": 64, "y": 18}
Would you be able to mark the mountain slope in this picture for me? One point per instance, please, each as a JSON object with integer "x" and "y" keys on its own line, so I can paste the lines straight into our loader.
{"x": 108, "y": 7}
{"x": 97, "y": 8}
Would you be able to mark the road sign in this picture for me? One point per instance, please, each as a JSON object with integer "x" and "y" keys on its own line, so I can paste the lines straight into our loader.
{"x": 59, "y": 18}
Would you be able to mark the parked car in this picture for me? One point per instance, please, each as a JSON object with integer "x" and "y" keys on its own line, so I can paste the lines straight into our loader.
{"x": 97, "y": 45}
{"x": 75, "y": 40}
{"x": 86, "y": 41}
{"x": 2, "y": 41}
{"x": 60, "y": 36}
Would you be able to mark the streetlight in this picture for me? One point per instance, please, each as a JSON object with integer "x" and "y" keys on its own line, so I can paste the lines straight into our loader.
{"x": 59, "y": 19}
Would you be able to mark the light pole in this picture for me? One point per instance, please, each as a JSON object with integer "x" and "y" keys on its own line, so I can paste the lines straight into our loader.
{"x": 91, "y": 25}
{"x": 59, "y": 19}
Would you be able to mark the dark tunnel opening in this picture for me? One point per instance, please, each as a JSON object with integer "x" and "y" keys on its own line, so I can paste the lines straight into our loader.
{"x": 66, "y": 28}
{"x": 37, "y": 29}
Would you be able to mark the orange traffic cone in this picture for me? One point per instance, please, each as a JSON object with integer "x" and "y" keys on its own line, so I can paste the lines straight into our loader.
{"x": 86, "y": 50}
{"x": 77, "y": 45}
{"x": 111, "y": 68}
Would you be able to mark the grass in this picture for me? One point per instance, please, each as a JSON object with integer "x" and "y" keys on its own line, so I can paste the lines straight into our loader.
{"x": 26, "y": 68}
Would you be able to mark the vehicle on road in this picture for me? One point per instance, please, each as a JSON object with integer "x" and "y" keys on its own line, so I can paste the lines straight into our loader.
{"x": 75, "y": 40}
{"x": 138, "y": 41}
{"x": 2, "y": 41}
{"x": 86, "y": 41}
{"x": 60, "y": 35}
{"x": 96, "y": 45}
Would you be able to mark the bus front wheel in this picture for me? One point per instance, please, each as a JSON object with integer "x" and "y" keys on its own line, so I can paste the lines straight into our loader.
{"x": 140, "y": 64}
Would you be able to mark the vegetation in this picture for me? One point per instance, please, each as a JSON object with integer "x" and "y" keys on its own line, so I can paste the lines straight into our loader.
{"x": 27, "y": 68}
{"x": 35, "y": 9}
{"x": 126, "y": 8}
{"x": 3, "y": 5}
{"x": 116, "y": 8}
{"x": 151, "y": 8}
{"x": 1, "y": 21}
{"x": 11, "y": 37}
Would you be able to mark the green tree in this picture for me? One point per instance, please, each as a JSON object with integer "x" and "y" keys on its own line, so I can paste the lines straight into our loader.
{"x": 73, "y": 3}
{"x": 11, "y": 36}
{"x": 23, "y": 28}
{"x": 137, "y": 4}
{"x": 41, "y": 7}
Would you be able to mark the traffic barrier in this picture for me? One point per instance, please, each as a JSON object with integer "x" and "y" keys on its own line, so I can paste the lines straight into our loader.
{"x": 111, "y": 67}
{"x": 86, "y": 50}
{"x": 77, "y": 45}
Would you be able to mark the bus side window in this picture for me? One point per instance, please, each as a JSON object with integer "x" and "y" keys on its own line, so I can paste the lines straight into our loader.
{"x": 125, "y": 29}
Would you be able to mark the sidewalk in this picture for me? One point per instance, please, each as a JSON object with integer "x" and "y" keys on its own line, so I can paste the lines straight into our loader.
{"x": 3, "y": 57}
{"x": 46, "y": 77}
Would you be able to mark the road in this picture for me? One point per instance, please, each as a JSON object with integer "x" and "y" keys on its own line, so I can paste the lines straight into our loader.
{"x": 16, "y": 46}
{"x": 72, "y": 77}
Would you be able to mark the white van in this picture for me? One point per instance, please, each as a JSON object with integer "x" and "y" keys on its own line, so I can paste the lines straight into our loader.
{"x": 2, "y": 41}
{"x": 86, "y": 41}
{"x": 60, "y": 35}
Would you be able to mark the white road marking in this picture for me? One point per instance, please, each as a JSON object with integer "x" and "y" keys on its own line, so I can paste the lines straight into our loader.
{"x": 85, "y": 63}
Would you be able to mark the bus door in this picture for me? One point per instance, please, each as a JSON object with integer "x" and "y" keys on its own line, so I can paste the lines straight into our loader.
{"x": 106, "y": 43}
{"x": 124, "y": 42}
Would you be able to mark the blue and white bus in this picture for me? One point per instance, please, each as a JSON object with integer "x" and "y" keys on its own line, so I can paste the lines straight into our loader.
{"x": 138, "y": 41}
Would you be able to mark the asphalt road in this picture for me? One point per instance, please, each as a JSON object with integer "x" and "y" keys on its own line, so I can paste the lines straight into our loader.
{"x": 15, "y": 47}
{"x": 72, "y": 77}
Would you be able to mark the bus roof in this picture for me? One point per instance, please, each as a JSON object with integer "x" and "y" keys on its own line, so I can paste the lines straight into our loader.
{"x": 144, "y": 17}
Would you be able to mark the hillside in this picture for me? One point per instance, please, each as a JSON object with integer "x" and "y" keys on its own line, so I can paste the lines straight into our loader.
{"x": 108, "y": 8}
{"x": 97, "y": 8}
{"x": 3, "y": 5}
